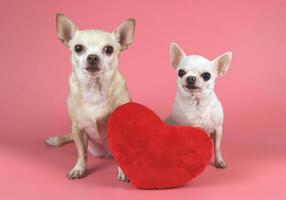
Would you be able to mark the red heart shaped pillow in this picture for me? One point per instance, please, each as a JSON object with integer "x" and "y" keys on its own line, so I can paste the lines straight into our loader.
{"x": 153, "y": 154}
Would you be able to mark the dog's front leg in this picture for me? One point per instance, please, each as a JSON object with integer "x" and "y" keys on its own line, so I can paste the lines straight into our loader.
{"x": 81, "y": 140}
{"x": 121, "y": 176}
{"x": 219, "y": 162}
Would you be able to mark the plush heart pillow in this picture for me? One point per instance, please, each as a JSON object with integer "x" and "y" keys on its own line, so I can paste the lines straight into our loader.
{"x": 155, "y": 155}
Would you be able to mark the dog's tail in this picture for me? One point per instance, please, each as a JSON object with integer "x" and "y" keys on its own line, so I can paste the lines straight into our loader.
{"x": 57, "y": 141}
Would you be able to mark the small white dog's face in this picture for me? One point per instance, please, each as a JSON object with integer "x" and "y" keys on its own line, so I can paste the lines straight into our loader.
{"x": 94, "y": 51}
{"x": 196, "y": 75}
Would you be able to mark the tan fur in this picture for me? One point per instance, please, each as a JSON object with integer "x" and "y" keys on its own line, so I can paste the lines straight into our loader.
{"x": 93, "y": 95}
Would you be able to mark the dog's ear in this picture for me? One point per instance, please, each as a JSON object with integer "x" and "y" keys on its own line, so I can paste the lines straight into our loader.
{"x": 176, "y": 54}
{"x": 124, "y": 33}
{"x": 65, "y": 29}
{"x": 222, "y": 63}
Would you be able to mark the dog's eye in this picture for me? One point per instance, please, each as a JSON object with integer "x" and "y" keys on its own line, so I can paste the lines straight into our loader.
{"x": 206, "y": 76}
{"x": 78, "y": 48}
{"x": 181, "y": 73}
{"x": 108, "y": 50}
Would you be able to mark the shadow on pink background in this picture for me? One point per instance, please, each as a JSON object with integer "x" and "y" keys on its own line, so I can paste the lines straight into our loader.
{"x": 34, "y": 87}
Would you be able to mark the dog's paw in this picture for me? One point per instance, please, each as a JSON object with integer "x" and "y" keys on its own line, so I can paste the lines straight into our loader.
{"x": 220, "y": 164}
{"x": 54, "y": 141}
{"x": 76, "y": 173}
{"x": 121, "y": 177}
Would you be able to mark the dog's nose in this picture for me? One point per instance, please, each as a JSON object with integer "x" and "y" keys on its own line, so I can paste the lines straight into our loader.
{"x": 191, "y": 80}
{"x": 92, "y": 59}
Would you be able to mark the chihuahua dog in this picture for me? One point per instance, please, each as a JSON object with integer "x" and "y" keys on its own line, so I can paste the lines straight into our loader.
{"x": 196, "y": 103}
{"x": 96, "y": 87}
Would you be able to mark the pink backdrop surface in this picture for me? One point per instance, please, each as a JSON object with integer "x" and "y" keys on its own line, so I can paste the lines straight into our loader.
{"x": 33, "y": 83}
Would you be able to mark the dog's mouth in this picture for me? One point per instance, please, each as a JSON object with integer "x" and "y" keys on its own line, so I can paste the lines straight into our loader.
{"x": 191, "y": 88}
{"x": 92, "y": 68}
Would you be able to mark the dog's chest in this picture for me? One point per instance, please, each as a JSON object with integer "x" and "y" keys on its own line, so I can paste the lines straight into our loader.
{"x": 90, "y": 109}
{"x": 198, "y": 116}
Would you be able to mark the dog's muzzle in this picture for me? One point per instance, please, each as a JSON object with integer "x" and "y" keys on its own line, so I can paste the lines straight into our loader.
{"x": 191, "y": 80}
{"x": 93, "y": 63}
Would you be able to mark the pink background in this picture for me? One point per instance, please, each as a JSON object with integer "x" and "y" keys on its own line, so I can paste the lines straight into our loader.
{"x": 33, "y": 84}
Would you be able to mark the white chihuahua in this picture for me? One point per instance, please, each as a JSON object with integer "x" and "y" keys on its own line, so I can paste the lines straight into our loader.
{"x": 96, "y": 87}
{"x": 196, "y": 103}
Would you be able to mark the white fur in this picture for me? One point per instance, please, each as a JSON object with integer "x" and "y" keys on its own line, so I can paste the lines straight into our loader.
{"x": 199, "y": 107}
